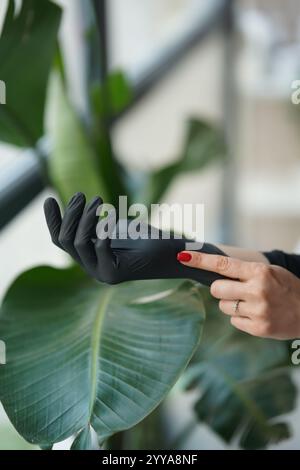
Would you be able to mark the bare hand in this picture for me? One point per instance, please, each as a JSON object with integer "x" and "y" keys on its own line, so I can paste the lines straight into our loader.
{"x": 269, "y": 296}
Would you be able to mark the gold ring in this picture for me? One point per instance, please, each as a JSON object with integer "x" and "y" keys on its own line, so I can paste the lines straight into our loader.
{"x": 236, "y": 306}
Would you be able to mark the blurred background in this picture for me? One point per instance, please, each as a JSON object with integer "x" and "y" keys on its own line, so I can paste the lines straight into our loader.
{"x": 229, "y": 62}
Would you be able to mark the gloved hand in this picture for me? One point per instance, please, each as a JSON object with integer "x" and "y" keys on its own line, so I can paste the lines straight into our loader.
{"x": 117, "y": 260}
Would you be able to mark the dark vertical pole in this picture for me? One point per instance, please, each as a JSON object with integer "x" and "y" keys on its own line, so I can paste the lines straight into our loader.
{"x": 110, "y": 169}
{"x": 100, "y": 7}
{"x": 228, "y": 226}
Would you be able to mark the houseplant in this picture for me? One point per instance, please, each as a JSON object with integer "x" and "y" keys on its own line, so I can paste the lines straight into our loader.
{"x": 88, "y": 360}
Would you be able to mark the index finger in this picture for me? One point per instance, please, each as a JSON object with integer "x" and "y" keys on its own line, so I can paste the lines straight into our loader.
{"x": 224, "y": 265}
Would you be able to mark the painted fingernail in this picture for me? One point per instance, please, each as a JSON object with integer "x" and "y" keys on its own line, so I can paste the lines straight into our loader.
{"x": 184, "y": 256}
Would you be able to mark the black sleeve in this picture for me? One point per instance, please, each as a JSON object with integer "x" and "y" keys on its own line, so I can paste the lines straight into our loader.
{"x": 287, "y": 261}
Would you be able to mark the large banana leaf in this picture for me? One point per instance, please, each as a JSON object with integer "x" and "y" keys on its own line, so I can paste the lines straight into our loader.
{"x": 203, "y": 144}
{"x": 245, "y": 383}
{"x": 72, "y": 164}
{"x": 84, "y": 355}
{"x": 27, "y": 47}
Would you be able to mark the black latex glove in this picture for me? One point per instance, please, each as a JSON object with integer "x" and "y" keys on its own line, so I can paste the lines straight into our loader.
{"x": 118, "y": 260}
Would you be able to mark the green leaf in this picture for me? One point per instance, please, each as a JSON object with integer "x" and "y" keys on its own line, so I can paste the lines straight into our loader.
{"x": 119, "y": 91}
{"x": 203, "y": 144}
{"x": 245, "y": 383}
{"x": 83, "y": 440}
{"x": 46, "y": 447}
{"x": 27, "y": 48}
{"x": 112, "y": 97}
{"x": 81, "y": 353}
{"x": 149, "y": 434}
{"x": 72, "y": 165}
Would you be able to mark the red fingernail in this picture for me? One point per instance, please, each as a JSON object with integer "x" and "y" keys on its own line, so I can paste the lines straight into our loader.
{"x": 184, "y": 256}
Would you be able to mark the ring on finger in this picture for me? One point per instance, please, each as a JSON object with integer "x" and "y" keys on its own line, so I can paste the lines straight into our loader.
{"x": 236, "y": 306}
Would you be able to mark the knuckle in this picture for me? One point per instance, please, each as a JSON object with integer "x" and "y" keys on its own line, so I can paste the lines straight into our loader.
{"x": 262, "y": 284}
{"x": 78, "y": 244}
{"x": 263, "y": 309}
{"x": 196, "y": 259}
{"x": 263, "y": 272}
{"x": 251, "y": 289}
{"x": 221, "y": 305}
{"x": 65, "y": 240}
{"x": 222, "y": 263}
{"x": 263, "y": 293}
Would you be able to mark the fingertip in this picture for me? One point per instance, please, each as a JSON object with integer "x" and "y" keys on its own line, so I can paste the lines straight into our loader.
{"x": 53, "y": 218}
{"x": 80, "y": 195}
{"x": 51, "y": 211}
{"x": 96, "y": 200}
{"x": 49, "y": 202}
{"x": 77, "y": 198}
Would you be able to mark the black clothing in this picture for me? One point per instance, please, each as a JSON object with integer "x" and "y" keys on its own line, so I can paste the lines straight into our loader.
{"x": 287, "y": 261}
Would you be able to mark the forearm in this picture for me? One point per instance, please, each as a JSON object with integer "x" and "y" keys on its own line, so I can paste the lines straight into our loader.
{"x": 243, "y": 254}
